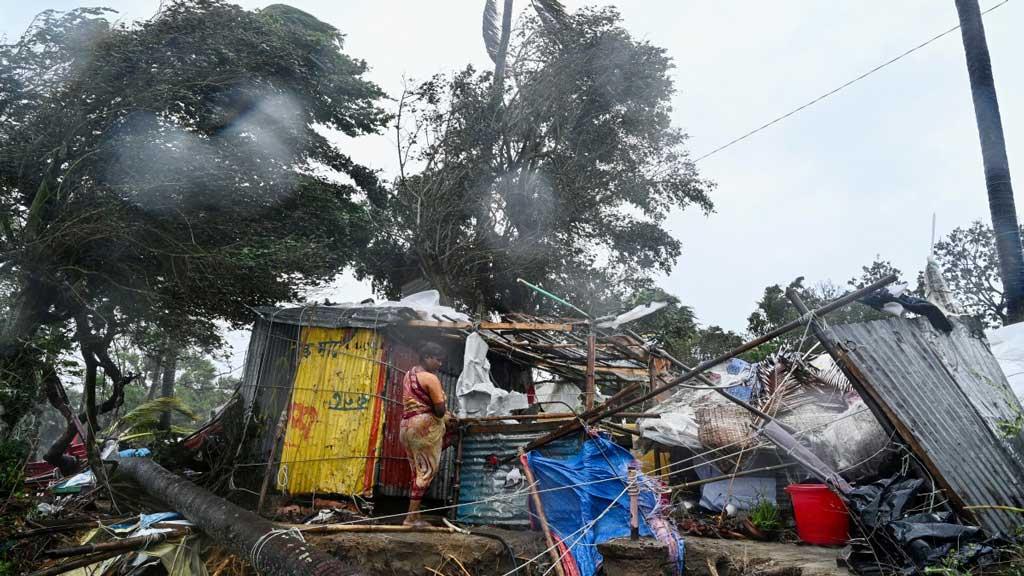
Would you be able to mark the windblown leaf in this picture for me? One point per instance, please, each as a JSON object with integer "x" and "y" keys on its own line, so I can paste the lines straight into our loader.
{"x": 147, "y": 416}
{"x": 551, "y": 12}
{"x": 492, "y": 29}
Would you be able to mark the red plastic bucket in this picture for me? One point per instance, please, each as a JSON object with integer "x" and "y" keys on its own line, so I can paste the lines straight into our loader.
{"x": 821, "y": 517}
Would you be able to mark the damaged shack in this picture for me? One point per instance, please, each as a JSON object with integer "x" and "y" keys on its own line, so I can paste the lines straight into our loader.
{"x": 887, "y": 446}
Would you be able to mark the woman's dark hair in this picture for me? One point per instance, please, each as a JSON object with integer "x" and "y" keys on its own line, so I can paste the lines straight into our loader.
{"x": 433, "y": 350}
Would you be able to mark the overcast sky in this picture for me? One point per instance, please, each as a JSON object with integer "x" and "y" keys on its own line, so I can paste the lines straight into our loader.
{"x": 819, "y": 194}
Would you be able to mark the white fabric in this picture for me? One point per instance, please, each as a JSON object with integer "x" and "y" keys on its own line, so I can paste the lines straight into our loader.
{"x": 635, "y": 314}
{"x": 1007, "y": 344}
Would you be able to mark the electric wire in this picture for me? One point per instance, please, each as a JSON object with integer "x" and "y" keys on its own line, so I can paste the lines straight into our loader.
{"x": 839, "y": 88}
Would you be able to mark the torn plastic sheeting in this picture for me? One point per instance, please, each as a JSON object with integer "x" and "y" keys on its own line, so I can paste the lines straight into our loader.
{"x": 677, "y": 425}
{"x": 672, "y": 429}
{"x": 478, "y": 396}
{"x": 426, "y": 303}
{"x": 144, "y": 521}
{"x": 636, "y": 313}
{"x": 909, "y": 542}
{"x": 594, "y": 506}
{"x": 1007, "y": 344}
{"x": 743, "y": 492}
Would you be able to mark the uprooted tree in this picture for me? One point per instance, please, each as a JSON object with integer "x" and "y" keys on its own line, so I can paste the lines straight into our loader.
{"x": 560, "y": 169}
{"x": 167, "y": 174}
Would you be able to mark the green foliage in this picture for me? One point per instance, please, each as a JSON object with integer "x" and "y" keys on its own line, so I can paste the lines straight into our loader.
{"x": 970, "y": 266}
{"x": 13, "y": 455}
{"x": 145, "y": 419}
{"x": 765, "y": 516}
{"x": 172, "y": 172}
{"x": 774, "y": 308}
{"x": 675, "y": 329}
{"x": 565, "y": 180}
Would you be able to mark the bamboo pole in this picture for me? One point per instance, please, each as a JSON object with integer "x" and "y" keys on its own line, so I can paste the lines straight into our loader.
{"x": 78, "y": 563}
{"x": 551, "y": 416}
{"x": 591, "y": 360}
{"x": 367, "y": 528}
{"x": 122, "y": 544}
{"x": 282, "y": 424}
{"x": 556, "y": 559}
{"x": 69, "y": 527}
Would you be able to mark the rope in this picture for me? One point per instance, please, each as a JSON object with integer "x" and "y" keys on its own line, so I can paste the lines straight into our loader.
{"x": 581, "y": 530}
{"x": 526, "y": 489}
{"x": 257, "y": 548}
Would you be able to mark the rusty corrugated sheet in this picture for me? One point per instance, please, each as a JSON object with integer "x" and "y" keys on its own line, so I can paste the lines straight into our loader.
{"x": 334, "y": 427}
{"x": 484, "y": 485}
{"x": 951, "y": 403}
{"x": 395, "y": 475}
{"x": 340, "y": 316}
{"x": 267, "y": 380}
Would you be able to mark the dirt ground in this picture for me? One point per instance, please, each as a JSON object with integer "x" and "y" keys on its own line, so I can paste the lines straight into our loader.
{"x": 398, "y": 554}
{"x": 457, "y": 554}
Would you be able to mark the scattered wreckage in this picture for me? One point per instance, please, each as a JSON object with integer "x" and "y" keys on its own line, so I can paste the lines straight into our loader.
{"x": 900, "y": 437}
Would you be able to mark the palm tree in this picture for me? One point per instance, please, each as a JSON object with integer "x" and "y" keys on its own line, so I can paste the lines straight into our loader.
{"x": 993, "y": 153}
{"x": 497, "y": 29}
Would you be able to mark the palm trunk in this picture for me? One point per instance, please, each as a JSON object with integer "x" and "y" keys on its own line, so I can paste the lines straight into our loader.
{"x": 506, "y": 34}
{"x": 270, "y": 550}
{"x": 153, "y": 372}
{"x": 993, "y": 153}
{"x": 170, "y": 365}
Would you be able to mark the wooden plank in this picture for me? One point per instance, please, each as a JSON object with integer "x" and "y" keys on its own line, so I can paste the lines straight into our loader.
{"x": 589, "y": 389}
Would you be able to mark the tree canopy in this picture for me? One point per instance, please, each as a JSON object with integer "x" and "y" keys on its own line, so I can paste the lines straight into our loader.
{"x": 970, "y": 266}
{"x": 566, "y": 180}
{"x": 173, "y": 172}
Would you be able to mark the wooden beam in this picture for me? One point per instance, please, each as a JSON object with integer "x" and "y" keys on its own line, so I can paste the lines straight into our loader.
{"x": 589, "y": 389}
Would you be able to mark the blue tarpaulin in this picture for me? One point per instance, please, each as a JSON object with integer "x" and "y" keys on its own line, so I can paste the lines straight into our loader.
{"x": 594, "y": 505}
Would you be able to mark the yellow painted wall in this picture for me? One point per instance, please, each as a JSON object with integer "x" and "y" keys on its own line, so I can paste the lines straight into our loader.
{"x": 336, "y": 413}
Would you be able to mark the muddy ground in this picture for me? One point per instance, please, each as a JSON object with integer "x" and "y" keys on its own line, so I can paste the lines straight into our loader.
{"x": 457, "y": 554}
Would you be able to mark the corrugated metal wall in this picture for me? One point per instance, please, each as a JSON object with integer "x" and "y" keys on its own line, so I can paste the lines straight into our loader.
{"x": 395, "y": 475}
{"x": 334, "y": 428}
{"x": 267, "y": 380}
{"x": 948, "y": 397}
{"x": 480, "y": 481}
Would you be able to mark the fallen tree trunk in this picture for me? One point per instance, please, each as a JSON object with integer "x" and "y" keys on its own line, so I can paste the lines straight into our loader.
{"x": 270, "y": 550}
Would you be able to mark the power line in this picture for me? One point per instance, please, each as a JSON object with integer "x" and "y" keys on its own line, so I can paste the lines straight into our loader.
{"x": 841, "y": 87}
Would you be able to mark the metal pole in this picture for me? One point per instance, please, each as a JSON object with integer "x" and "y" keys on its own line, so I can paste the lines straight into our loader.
{"x": 561, "y": 301}
{"x": 704, "y": 366}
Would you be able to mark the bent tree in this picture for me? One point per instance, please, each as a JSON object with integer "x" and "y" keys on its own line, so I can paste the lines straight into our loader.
{"x": 165, "y": 174}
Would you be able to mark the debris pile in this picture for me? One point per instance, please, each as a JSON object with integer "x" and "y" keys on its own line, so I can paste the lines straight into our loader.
{"x": 901, "y": 436}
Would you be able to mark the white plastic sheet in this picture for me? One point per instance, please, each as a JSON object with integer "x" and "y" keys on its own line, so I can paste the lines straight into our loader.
{"x": 478, "y": 396}
{"x": 427, "y": 304}
{"x": 1007, "y": 345}
{"x": 635, "y": 314}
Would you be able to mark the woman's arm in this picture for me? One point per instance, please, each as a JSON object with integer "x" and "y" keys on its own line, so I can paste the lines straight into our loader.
{"x": 435, "y": 391}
